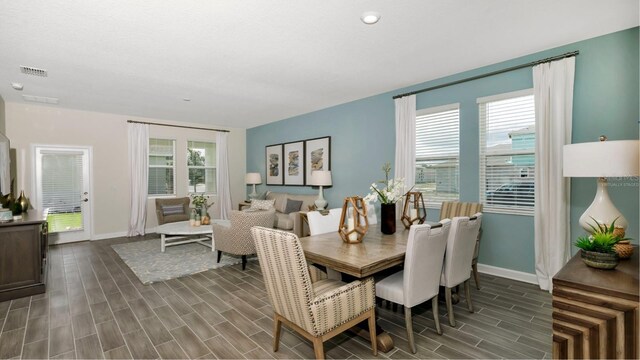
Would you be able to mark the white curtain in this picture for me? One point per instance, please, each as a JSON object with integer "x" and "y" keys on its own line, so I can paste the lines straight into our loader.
{"x": 222, "y": 175}
{"x": 139, "y": 173}
{"x": 405, "y": 160}
{"x": 553, "y": 92}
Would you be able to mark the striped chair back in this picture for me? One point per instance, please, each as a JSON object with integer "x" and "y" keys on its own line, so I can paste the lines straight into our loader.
{"x": 451, "y": 209}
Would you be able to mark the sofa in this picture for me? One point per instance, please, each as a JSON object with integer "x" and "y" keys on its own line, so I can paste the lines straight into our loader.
{"x": 289, "y": 222}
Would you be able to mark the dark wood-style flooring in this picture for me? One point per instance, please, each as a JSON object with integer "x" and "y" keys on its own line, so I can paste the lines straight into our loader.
{"x": 95, "y": 307}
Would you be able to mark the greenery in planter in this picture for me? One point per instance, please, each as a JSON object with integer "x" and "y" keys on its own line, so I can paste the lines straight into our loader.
{"x": 603, "y": 239}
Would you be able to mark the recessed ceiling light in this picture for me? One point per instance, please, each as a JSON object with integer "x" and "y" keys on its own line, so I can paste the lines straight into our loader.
{"x": 186, "y": 99}
{"x": 370, "y": 17}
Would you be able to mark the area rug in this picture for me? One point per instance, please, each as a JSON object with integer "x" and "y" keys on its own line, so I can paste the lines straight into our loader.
{"x": 151, "y": 265}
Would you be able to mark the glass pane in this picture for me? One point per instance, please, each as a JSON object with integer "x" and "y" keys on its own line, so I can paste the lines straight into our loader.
{"x": 161, "y": 147}
{"x": 160, "y": 160}
{"x": 438, "y": 179}
{"x": 200, "y": 153}
{"x": 202, "y": 180}
{"x": 161, "y": 181}
{"x": 62, "y": 176}
{"x": 510, "y": 124}
{"x": 509, "y": 180}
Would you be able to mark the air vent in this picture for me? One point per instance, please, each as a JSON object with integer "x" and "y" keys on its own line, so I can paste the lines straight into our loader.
{"x": 28, "y": 70}
{"x": 40, "y": 99}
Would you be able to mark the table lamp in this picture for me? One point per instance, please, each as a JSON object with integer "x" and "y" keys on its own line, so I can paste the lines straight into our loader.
{"x": 601, "y": 160}
{"x": 253, "y": 179}
{"x": 320, "y": 178}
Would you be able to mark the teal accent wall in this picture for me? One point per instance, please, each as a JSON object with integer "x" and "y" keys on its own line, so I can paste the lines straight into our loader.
{"x": 606, "y": 101}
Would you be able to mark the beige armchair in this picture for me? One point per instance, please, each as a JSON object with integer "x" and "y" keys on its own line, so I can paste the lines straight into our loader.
{"x": 317, "y": 310}
{"x": 236, "y": 239}
{"x": 168, "y": 210}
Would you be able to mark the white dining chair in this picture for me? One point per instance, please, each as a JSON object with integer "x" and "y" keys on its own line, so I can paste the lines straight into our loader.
{"x": 371, "y": 215}
{"x": 458, "y": 257}
{"x": 322, "y": 224}
{"x": 420, "y": 279}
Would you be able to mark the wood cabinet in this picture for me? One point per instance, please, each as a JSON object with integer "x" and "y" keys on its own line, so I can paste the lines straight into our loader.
{"x": 23, "y": 257}
{"x": 595, "y": 312}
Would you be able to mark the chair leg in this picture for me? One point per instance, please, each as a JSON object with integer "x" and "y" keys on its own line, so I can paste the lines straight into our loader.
{"x": 372, "y": 332}
{"x": 474, "y": 267}
{"x": 467, "y": 294}
{"x": 394, "y": 307}
{"x": 277, "y": 327}
{"x": 447, "y": 293}
{"x": 244, "y": 262}
{"x": 219, "y": 255}
{"x": 436, "y": 314}
{"x": 409, "y": 325}
{"x": 318, "y": 348}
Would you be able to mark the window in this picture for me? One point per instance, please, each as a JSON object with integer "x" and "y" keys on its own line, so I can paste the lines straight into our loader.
{"x": 507, "y": 152}
{"x": 201, "y": 165}
{"x": 438, "y": 153}
{"x": 161, "y": 167}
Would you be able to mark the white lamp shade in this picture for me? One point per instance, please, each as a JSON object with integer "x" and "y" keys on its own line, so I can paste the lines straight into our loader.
{"x": 601, "y": 159}
{"x": 320, "y": 178}
{"x": 253, "y": 178}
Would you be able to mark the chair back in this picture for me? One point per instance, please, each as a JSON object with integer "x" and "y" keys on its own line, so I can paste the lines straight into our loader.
{"x": 172, "y": 210}
{"x": 321, "y": 224}
{"x": 239, "y": 239}
{"x": 460, "y": 246}
{"x": 371, "y": 215}
{"x": 451, "y": 209}
{"x": 423, "y": 262}
{"x": 286, "y": 276}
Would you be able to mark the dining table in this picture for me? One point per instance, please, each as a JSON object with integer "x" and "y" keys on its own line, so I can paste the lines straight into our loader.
{"x": 376, "y": 252}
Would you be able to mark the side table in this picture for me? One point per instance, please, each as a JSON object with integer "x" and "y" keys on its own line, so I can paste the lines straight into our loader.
{"x": 243, "y": 204}
{"x": 304, "y": 220}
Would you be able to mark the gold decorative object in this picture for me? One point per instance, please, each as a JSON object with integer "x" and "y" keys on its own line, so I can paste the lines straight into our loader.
{"x": 23, "y": 201}
{"x": 353, "y": 221}
{"x": 414, "y": 210}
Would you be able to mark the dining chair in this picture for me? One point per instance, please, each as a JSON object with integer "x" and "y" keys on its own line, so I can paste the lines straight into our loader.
{"x": 371, "y": 215}
{"x": 316, "y": 310}
{"x": 457, "y": 259}
{"x": 419, "y": 281}
{"x": 451, "y": 209}
{"x": 321, "y": 224}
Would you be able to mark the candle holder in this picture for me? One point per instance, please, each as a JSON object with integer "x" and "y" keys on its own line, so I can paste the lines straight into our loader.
{"x": 353, "y": 221}
{"x": 414, "y": 210}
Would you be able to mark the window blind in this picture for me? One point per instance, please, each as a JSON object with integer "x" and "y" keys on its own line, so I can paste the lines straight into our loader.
{"x": 62, "y": 179}
{"x": 438, "y": 154}
{"x": 201, "y": 166}
{"x": 507, "y": 153}
{"x": 161, "y": 167}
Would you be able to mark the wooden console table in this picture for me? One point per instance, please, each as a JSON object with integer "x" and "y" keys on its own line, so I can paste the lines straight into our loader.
{"x": 595, "y": 312}
{"x": 23, "y": 256}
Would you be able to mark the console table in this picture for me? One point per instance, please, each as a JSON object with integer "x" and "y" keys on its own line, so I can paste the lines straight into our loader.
{"x": 23, "y": 256}
{"x": 595, "y": 312}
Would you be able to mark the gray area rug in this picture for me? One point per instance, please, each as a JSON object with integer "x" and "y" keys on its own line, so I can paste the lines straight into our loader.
{"x": 151, "y": 265}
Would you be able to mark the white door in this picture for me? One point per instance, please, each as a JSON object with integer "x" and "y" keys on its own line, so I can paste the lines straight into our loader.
{"x": 63, "y": 190}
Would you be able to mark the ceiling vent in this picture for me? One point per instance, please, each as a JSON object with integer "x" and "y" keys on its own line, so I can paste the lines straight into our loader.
{"x": 40, "y": 99}
{"x": 28, "y": 70}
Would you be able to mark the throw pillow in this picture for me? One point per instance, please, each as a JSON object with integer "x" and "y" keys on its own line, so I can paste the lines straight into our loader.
{"x": 172, "y": 210}
{"x": 292, "y": 206}
{"x": 262, "y": 204}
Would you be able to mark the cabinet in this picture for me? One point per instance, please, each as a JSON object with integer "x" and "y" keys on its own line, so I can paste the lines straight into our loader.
{"x": 23, "y": 257}
{"x": 595, "y": 312}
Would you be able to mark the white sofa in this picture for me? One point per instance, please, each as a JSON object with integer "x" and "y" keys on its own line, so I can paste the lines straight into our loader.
{"x": 290, "y": 222}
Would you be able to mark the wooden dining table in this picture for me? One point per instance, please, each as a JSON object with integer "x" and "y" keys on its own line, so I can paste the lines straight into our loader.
{"x": 375, "y": 253}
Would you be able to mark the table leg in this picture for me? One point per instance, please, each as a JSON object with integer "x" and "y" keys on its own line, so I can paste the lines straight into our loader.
{"x": 162, "y": 240}
{"x": 212, "y": 243}
{"x": 384, "y": 340}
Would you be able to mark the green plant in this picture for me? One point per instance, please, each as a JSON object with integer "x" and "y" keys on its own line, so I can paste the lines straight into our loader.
{"x": 602, "y": 240}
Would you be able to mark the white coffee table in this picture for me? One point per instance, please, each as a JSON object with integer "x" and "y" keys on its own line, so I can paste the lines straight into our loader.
{"x": 172, "y": 233}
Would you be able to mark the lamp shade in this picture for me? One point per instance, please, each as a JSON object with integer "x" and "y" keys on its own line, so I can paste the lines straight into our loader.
{"x": 253, "y": 178}
{"x": 320, "y": 178}
{"x": 601, "y": 159}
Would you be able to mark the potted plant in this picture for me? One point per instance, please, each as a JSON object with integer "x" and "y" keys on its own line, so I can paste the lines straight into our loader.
{"x": 598, "y": 249}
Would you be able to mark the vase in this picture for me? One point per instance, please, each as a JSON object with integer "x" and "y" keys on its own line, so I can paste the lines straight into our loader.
{"x": 624, "y": 249}
{"x": 23, "y": 201}
{"x": 598, "y": 260}
{"x": 388, "y": 218}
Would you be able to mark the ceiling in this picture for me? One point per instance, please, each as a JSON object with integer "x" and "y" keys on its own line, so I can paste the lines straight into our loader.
{"x": 243, "y": 63}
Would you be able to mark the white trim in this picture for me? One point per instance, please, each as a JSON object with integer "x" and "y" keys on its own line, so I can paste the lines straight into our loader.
{"x": 504, "y": 96}
{"x": 109, "y": 235}
{"x": 508, "y": 273}
{"x": 437, "y": 109}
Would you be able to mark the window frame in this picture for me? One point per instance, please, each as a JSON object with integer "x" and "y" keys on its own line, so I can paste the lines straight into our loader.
{"x": 188, "y": 167}
{"x": 149, "y": 166}
{"x": 513, "y": 209}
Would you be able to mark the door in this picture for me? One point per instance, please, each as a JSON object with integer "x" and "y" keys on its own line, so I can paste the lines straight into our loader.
{"x": 63, "y": 190}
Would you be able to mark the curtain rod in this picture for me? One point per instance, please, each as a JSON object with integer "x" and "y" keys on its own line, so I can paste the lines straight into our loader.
{"x": 178, "y": 126}
{"x": 533, "y": 63}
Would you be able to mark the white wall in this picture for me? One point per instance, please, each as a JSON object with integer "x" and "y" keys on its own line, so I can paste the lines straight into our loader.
{"x": 27, "y": 125}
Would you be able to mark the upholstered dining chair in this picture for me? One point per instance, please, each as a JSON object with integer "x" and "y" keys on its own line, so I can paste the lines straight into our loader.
{"x": 236, "y": 239}
{"x": 457, "y": 259}
{"x": 451, "y": 209}
{"x": 172, "y": 210}
{"x": 316, "y": 310}
{"x": 321, "y": 224}
{"x": 371, "y": 214}
{"x": 419, "y": 281}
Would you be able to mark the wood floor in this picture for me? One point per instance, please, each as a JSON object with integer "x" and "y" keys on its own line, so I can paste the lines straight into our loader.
{"x": 95, "y": 307}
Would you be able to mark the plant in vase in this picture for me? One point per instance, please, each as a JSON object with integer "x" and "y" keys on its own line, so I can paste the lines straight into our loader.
{"x": 598, "y": 250}
{"x": 200, "y": 202}
{"x": 391, "y": 191}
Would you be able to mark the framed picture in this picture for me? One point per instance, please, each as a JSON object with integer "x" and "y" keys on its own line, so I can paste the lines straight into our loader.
{"x": 294, "y": 163}
{"x": 317, "y": 155}
{"x": 274, "y": 161}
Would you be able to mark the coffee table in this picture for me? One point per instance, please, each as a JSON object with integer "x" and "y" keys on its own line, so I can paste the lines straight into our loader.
{"x": 173, "y": 233}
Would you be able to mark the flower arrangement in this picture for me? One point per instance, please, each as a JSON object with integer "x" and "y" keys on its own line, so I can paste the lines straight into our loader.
{"x": 390, "y": 193}
{"x": 603, "y": 239}
{"x": 201, "y": 200}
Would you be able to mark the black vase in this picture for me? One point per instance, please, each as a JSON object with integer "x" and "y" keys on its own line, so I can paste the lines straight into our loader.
{"x": 388, "y": 218}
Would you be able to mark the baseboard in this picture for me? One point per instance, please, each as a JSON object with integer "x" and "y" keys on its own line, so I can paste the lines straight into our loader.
{"x": 508, "y": 273}
{"x": 109, "y": 235}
